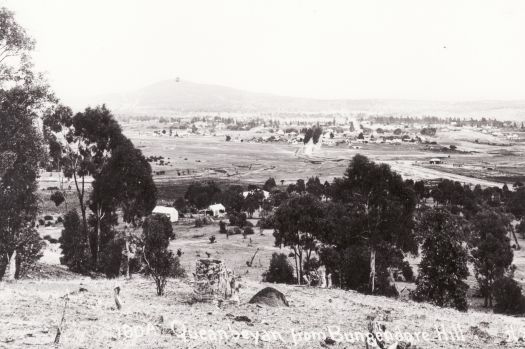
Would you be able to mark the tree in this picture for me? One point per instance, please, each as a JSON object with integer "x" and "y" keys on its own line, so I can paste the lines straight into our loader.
{"x": 159, "y": 260}
{"x": 381, "y": 205}
{"x": 297, "y": 222}
{"x": 202, "y": 195}
{"x": 314, "y": 187}
{"x": 253, "y": 201}
{"x": 86, "y": 140}
{"x": 75, "y": 252}
{"x": 443, "y": 268}
{"x": 24, "y": 98}
{"x": 19, "y": 109}
{"x": 508, "y": 297}
{"x": 58, "y": 198}
{"x": 516, "y": 204}
{"x": 124, "y": 182}
{"x": 232, "y": 198}
{"x": 269, "y": 184}
{"x": 15, "y": 49}
{"x": 492, "y": 254}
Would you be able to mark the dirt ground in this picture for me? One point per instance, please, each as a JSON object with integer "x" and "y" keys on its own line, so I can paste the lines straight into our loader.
{"x": 31, "y": 310}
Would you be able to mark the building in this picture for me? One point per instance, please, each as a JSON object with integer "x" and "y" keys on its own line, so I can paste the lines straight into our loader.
{"x": 435, "y": 161}
{"x": 169, "y": 212}
{"x": 218, "y": 210}
{"x": 265, "y": 193}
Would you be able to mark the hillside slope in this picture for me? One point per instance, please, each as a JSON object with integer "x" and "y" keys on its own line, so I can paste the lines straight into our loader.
{"x": 30, "y": 311}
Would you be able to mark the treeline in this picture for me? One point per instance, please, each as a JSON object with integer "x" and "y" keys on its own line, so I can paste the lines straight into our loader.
{"x": 363, "y": 225}
{"x": 411, "y": 120}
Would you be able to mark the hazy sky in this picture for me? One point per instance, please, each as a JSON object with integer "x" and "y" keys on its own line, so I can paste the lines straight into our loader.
{"x": 439, "y": 50}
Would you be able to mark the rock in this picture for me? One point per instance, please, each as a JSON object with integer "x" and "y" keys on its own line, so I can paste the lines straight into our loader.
{"x": 269, "y": 296}
{"x": 329, "y": 341}
{"x": 242, "y": 318}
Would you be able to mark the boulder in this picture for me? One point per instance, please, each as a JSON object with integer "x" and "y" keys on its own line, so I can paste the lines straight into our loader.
{"x": 269, "y": 296}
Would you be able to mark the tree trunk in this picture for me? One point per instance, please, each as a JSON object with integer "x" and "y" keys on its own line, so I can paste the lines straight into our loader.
{"x": 372, "y": 269}
{"x": 297, "y": 268}
{"x": 99, "y": 218}
{"x": 300, "y": 264}
{"x": 127, "y": 258}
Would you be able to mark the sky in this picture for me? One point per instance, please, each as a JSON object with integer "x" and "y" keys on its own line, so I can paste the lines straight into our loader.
{"x": 395, "y": 49}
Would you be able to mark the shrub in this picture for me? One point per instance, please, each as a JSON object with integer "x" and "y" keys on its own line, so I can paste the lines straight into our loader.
{"x": 508, "y": 297}
{"x": 60, "y": 219}
{"x": 237, "y": 230}
{"x": 200, "y": 222}
{"x": 41, "y": 221}
{"x": 212, "y": 239}
{"x": 238, "y": 219}
{"x": 407, "y": 271}
{"x": 248, "y": 224}
{"x": 48, "y": 218}
{"x": 280, "y": 270}
{"x": 222, "y": 228}
{"x": 248, "y": 231}
{"x": 58, "y": 198}
{"x": 266, "y": 223}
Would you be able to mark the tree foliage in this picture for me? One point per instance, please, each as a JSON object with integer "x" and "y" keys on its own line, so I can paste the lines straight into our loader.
{"x": 443, "y": 268}
{"x": 492, "y": 254}
{"x": 280, "y": 270}
{"x": 381, "y": 205}
{"x": 160, "y": 262}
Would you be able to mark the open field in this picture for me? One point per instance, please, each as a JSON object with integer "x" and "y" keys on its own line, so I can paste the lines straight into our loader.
{"x": 197, "y": 157}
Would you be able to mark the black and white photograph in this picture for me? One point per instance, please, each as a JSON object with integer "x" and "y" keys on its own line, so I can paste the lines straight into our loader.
{"x": 266, "y": 174}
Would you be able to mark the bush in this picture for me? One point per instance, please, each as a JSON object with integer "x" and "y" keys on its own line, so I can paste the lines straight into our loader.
{"x": 248, "y": 231}
{"x": 212, "y": 239}
{"x": 508, "y": 297}
{"x": 280, "y": 270}
{"x": 58, "y": 198}
{"x": 60, "y": 219}
{"x": 41, "y": 221}
{"x": 200, "y": 222}
{"x": 266, "y": 223}
{"x": 222, "y": 228}
{"x": 238, "y": 219}
{"x": 407, "y": 271}
{"x": 237, "y": 230}
{"x": 48, "y": 218}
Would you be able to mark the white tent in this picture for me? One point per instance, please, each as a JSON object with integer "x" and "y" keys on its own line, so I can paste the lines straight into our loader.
{"x": 218, "y": 210}
{"x": 170, "y": 212}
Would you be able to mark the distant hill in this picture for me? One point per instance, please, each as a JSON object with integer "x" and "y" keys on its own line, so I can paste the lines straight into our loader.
{"x": 169, "y": 96}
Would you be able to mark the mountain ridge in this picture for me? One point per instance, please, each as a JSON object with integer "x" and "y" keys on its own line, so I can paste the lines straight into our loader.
{"x": 178, "y": 96}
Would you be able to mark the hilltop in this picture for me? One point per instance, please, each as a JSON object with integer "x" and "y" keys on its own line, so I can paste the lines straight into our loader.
{"x": 30, "y": 311}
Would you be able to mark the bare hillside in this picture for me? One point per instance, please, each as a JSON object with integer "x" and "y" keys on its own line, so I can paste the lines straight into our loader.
{"x": 30, "y": 311}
